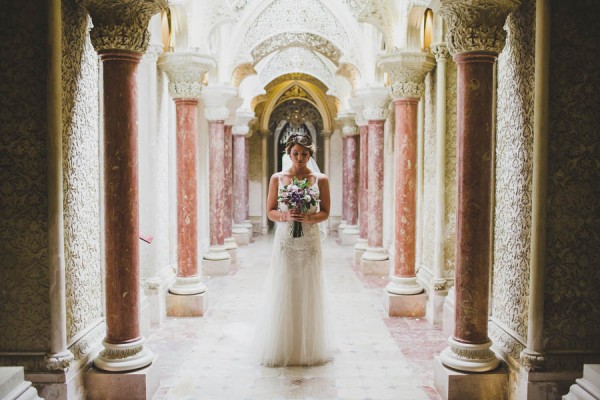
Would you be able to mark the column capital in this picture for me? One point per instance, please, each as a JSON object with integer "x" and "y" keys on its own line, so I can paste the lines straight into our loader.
{"x": 357, "y": 106}
{"x": 185, "y": 72}
{"x": 326, "y": 134}
{"x": 122, "y": 24}
{"x": 375, "y": 101}
{"x": 217, "y": 100}
{"x": 241, "y": 127}
{"x": 476, "y": 25}
{"x": 348, "y": 122}
{"x": 407, "y": 71}
{"x": 440, "y": 51}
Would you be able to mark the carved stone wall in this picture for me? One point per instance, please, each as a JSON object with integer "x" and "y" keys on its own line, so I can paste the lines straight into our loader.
{"x": 429, "y": 161}
{"x": 572, "y": 297}
{"x": 514, "y": 174}
{"x": 81, "y": 175}
{"x": 24, "y": 308}
{"x": 450, "y": 169}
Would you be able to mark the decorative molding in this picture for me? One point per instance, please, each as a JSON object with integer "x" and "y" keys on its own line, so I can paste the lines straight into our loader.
{"x": 476, "y": 25}
{"x": 122, "y": 24}
{"x": 185, "y": 72}
{"x": 241, "y": 72}
{"x": 407, "y": 71}
{"x": 514, "y": 176}
{"x": 375, "y": 102}
{"x": 450, "y": 170}
{"x": 440, "y": 52}
{"x": 296, "y": 16}
{"x": 299, "y": 60}
{"x": 297, "y": 39}
{"x": 217, "y": 101}
{"x": 216, "y": 113}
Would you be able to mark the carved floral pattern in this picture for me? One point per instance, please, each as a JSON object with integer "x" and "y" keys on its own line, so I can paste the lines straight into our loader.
{"x": 296, "y": 16}
{"x": 298, "y": 60}
{"x": 122, "y": 24}
{"x": 429, "y": 174}
{"x": 24, "y": 309}
{"x": 291, "y": 39}
{"x": 572, "y": 297}
{"x": 407, "y": 71}
{"x": 450, "y": 169}
{"x": 514, "y": 173}
{"x": 81, "y": 173}
{"x": 476, "y": 25}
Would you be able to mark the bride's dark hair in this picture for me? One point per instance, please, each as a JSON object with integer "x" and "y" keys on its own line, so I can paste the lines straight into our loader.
{"x": 303, "y": 140}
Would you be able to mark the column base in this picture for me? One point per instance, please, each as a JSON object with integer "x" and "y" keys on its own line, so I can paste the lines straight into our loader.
{"x": 403, "y": 305}
{"x": 241, "y": 234}
{"x": 404, "y": 286}
{"x": 435, "y": 306}
{"x": 123, "y": 357}
{"x": 375, "y": 261}
{"x": 216, "y": 261}
{"x": 231, "y": 247}
{"x": 341, "y": 227}
{"x": 375, "y": 267}
{"x": 452, "y": 384}
{"x": 359, "y": 249}
{"x": 136, "y": 385}
{"x": 469, "y": 357}
{"x": 193, "y": 305}
{"x": 14, "y": 386}
{"x": 349, "y": 236}
{"x": 448, "y": 314}
{"x": 187, "y": 285}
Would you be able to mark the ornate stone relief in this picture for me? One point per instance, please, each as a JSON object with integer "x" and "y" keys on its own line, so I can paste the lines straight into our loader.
{"x": 407, "y": 71}
{"x": 81, "y": 174}
{"x": 296, "y": 59}
{"x": 476, "y": 25}
{"x": 296, "y": 16}
{"x": 291, "y": 39}
{"x": 295, "y": 92}
{"x": 377, "y": 13}
{"x": 450, "y": 168}
{"x": 429, "y": 173}
{"x": 24, "y": 309}
{"x": 350, "y": 72}
{"x": 514, "y": 174}
{"x": 241, "y": 72}
{"x": 572, "y": 297}
{"x": 185, "y": 72}
{"x": 122, "y": 24}
{"x": 440, "y": 51}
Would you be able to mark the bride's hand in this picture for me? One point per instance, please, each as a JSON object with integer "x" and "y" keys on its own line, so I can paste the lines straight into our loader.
{"x": 296, "y": 215}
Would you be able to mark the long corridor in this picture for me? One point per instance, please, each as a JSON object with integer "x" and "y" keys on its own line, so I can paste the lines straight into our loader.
{"x": 377, "y": 358}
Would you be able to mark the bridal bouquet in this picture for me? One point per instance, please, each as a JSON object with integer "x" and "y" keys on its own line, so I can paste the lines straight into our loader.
{"x": 298, "y": 195}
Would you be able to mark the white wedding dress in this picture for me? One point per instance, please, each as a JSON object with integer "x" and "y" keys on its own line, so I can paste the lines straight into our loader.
{"x": 294, "y": 328}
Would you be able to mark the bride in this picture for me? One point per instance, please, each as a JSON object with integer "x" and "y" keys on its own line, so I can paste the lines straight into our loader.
{"x": 294, "y": 329}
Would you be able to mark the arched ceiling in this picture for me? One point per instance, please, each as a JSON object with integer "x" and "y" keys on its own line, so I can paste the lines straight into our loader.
{"x": 296, "y": 59}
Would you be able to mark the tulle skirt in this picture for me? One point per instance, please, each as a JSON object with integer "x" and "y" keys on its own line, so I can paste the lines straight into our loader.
{"x": 293, "y": 327}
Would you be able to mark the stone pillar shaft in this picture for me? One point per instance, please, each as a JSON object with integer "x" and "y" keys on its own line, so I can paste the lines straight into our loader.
{"x": 363, "y": 185}
{"x": 240, "y": 178}
{"x": 375, "y": 185}
{"x": 121, "y": 195}
{"x": 187, "y": 207}
{"x": 351, "y": 196}
{"x": 405, "y": 148}
{"x": 474, "y": 176}
{"x": 228, "y": 182}
{"x": 217, "y": 174}
{"x": 344, "y": 180}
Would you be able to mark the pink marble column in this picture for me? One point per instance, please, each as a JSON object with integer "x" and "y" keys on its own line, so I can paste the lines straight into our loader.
{"x": 363, "y": 186}
{"x": 344, "y": 221}
{"x": 474, "y": 199}
{"x": 375, "y": 185}
{"x": 240, "y": 178}
{"x": 121, "y": 196}
{"x": 217, "y": 183}
{"x": 120, "y": 45}
{"x": 350, "y": 167}
{"x": 230, "y": 244}
{"x": 187, "y": 213}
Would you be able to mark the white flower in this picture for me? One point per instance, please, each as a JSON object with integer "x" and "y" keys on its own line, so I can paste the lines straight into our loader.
{"x": 307, "y": 198}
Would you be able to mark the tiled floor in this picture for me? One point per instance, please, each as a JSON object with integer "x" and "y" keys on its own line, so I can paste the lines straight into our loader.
{"x": 378, "y": 357}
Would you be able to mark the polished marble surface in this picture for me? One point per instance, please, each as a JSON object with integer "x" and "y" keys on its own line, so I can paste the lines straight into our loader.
{"x": 377, "y": 358}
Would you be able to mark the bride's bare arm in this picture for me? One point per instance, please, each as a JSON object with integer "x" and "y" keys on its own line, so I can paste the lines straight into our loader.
{"x": 272, "y": 212}
{"x": 323, "y": 213}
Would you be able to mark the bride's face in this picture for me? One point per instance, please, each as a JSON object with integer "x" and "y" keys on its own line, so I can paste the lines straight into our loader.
{"x": 299, "y": 155}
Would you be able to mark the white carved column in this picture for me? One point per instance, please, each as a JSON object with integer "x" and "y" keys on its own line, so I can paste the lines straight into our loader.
{"x": 242, "y": 229}
{"x": 120, "y": 37}
{"x": 217, "y": 261}
{"x": 475, "y": 37}
{"x": 185, "y": 72}
{"x": 375, "y": 260}
{"x": 265, "y": 180}
{"x": 440, "y": 51}
{"x": 407, "y": 72}
{"x": 349, "y": 234}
